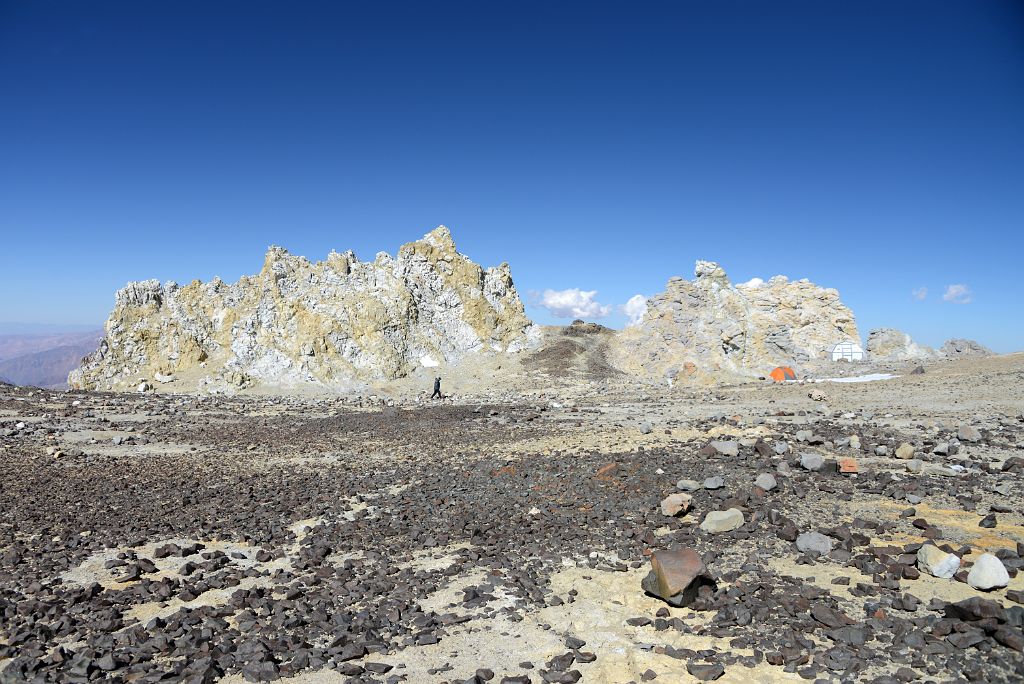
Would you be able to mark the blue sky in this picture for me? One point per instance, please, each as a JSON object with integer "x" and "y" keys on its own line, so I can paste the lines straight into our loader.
{"x": 875, "y": 147}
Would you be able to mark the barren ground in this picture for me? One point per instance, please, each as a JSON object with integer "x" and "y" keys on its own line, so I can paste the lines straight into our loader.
{"x": 179, "y": 538}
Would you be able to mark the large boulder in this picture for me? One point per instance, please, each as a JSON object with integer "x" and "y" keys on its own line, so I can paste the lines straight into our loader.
{"x": 338, "y": 323}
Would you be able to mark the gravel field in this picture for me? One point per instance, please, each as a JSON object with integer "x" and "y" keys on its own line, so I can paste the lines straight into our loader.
{"x": 503, "y": 536}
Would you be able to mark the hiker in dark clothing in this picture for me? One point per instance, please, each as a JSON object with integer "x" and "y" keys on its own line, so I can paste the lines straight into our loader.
{"x": 437, "y": 389}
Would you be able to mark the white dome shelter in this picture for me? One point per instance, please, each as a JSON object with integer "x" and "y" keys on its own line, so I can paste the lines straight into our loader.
{"x": 846, "y": 351}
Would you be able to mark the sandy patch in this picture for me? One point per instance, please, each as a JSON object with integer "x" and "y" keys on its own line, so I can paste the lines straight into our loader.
{"x": 604, "y": 602}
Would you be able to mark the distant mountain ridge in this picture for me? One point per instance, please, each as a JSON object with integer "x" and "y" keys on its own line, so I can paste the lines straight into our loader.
{"x": 44, "y": 360}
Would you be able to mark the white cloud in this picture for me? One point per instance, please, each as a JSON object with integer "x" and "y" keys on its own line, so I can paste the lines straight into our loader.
{"x": 753, "y": 282}
{"x": 574, "y": 303}
{"x": 634, "y": 308}
{"x": 919, "y": 293}
{"x": 958, "y": 294}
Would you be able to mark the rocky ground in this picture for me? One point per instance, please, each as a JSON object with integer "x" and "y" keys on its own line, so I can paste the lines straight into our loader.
{"x": 503, "y": 536}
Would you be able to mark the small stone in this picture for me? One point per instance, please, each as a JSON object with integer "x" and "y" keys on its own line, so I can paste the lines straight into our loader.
{"x": 688, "y": 485}
{"x": 766, "y": 481}
{"x": 812, "y": 461}
{"x": 988, "y": 573}
{"x": 715, "y": 482}
{"x": 646, "y": 428}
{"x": 675, "y": 504}
{"x": 717, "y": 522}
{"x": 915, "y": 465}
{"x": 848, "y": 465}
{"x": 575, "y": 643}
{"x": 814, "y": 543}
{"x": 781, "y": 448}
{"x": 705, "y": 672}
{"x": 968, "y": 433}
{"x": 937, "y": 562}
{"x": 905, "y": 451}
{"x": 726, "y": 448}
{"x": 988, "y": 522}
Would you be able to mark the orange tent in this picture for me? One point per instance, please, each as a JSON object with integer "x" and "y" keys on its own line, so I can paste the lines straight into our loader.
{"x": 782, "y": 373}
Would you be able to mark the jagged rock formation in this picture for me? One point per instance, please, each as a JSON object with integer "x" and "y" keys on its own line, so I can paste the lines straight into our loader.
{"x": 708, "y": 325}
{"x": 890, "y": 344}
{"x": 958, "y": 348}
{"x": 339, "y": 322}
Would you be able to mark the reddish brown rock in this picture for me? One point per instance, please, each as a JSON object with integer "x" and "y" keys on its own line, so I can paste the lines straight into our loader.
{"x": 676, "y": 576}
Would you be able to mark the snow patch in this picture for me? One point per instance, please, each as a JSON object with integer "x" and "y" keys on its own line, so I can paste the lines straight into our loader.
{"x": 870, "y": 377}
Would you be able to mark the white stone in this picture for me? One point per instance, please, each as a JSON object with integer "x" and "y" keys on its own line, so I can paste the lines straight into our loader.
{"x": 726, "y": 448}
{"x": 937, "y": 562}
{"x": 812, "y": 461}
{"x": 716, "y": 522}
{"x": 988, "y": 572}
{"x": 814, "y": 542}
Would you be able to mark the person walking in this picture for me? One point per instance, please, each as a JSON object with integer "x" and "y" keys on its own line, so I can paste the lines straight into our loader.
{"x": 437, "y": 389}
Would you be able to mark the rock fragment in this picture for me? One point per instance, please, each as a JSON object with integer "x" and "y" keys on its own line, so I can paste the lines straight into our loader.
{"x": 717, "y": 522}
{"x": 937, "y": 562}
{"x": 811, "y": 461}
{"x": 814, "y": 543}
{"x": 676, "y": 576}
{"x": 726, "y": 448}
{"x": 676, "y": 504}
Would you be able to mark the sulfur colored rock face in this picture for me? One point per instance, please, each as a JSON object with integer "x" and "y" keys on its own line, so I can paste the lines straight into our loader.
{"x": 338, "y": 323}
{"x": 719, "y": 328}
